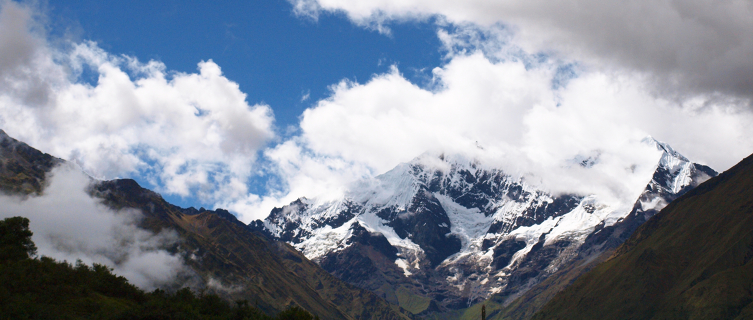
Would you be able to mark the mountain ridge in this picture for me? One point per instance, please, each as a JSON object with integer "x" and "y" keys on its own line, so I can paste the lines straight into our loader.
{"x": 690, "y": 261}
{"x": 214, "y": 244}
{"x": 476, "y": 231}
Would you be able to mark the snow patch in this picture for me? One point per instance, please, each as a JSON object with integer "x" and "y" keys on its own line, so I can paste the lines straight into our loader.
{"x": 403, "y": 265}
{"x": 325, "y": 240}
{"x": 468, "y": 224}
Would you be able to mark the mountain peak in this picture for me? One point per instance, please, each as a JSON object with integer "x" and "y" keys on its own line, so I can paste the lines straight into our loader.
{"x": 458, "y": 224}
{"x": 664, "y": 147}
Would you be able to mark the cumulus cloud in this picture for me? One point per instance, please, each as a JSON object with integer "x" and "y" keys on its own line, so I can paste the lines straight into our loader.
{"x": 530, "y": 87}
{"x": 190, "y": 134}
{"x": 509, "y": 113}
{"x": 70, "y": 225}
{"x": 527, "y": 87}
{"x": 26, "y": 71}
{"x": 686, "y": 47}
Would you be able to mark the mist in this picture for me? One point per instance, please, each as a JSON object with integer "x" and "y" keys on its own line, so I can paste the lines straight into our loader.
{"x": 70, "y": 225}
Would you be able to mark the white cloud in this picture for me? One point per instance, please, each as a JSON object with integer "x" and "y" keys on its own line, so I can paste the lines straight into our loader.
{"x": 510, "y": 107}
{"x": 194, "y": 134}
{"x": 536, "y": 84}
{"x": 70, "y": 225}
{"x": 300, "y": 173}
{"x": 688, "y": 47}
{"x": 191, "y": 134}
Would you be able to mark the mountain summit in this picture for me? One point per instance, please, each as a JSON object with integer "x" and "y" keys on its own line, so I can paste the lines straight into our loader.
{"x": 443, "y": 232}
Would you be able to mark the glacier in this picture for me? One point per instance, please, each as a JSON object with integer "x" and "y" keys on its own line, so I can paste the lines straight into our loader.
{"x": 456, "y": 230}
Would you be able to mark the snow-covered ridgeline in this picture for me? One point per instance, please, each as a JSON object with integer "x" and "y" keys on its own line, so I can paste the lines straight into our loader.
{"x": 480, "y": 206}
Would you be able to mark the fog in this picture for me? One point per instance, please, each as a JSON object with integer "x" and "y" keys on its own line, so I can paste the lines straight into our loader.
{"x": 70, "y": 225}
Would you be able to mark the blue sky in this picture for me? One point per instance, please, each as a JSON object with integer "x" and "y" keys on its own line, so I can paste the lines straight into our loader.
{"x": 204, "y": 101}
{"x": 274, "y": 56}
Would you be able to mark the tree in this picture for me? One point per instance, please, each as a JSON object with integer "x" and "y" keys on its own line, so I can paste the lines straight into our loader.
{"x": 15, "y": 240}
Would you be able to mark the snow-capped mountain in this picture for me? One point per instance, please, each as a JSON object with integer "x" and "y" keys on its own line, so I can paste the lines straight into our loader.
{"x": 448, "y": 231}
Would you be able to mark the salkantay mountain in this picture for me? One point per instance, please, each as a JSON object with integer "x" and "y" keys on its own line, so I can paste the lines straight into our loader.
{"x": 438, "y": 234}
{"x": 444, "y": 232}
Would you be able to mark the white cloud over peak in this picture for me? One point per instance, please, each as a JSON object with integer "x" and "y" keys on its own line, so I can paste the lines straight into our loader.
{"x": 509, "y": 106}
{"x": 686, "y": 47}
{"x": 191, "y": 134}
{"x": 476, "y": 100}
{"x": 496, "y": 97}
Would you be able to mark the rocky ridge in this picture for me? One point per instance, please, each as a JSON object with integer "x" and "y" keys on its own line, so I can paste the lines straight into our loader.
{"x": 443, "y": 232}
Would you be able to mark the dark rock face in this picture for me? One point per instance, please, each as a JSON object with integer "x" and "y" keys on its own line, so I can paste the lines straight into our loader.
{"x": 23, "y": 169}
{"x": 291, "y": 230}
{"x": 349, "y": 210}
{"x": 538, "y": 213}
{"x": 373, "y": 240}
{"x": 536, "y": 261}
{"x": 426, "y": 224}
{"x": 484, "y": 187}
{"x": 257, "y": 226}
{"x": 504, "y": 251}
{"x": 475, "y": 190}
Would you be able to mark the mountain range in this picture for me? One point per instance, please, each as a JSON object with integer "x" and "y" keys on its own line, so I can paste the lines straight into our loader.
{"x": 443, "y": 233}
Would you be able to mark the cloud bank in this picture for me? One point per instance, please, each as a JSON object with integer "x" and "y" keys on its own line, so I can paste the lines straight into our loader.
{"x": 525, "y": 86}
{"x": 189, "y": 134}
{"x": 70, "y": 225}
{"x": 508, "y": 113}
{"x": 686, "y": 47}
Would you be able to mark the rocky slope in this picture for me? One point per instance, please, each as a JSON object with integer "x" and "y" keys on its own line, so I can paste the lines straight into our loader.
{"x": 214, "y": 244}
{"x": 442, "y": 233}
{"x": 691, "y": 261}
{"x": 23, "y": 168}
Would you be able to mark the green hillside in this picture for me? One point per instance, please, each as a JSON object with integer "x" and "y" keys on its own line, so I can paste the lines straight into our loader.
{"x": 691, "y": 261}
{"x": 46, "y": 289}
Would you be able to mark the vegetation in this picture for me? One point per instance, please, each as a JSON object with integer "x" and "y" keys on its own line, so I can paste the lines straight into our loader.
{"x": 412, "y": 302}
{"x": 43, "y": 288}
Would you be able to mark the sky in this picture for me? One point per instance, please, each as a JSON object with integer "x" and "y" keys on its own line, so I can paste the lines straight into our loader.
{"x": 249, "y": 105}
{"x": 277, "y": 58}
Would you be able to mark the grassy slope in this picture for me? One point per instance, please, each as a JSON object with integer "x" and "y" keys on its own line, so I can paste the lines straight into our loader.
{"x": 412, "y": 302}
{"x": 691, "y": 261}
